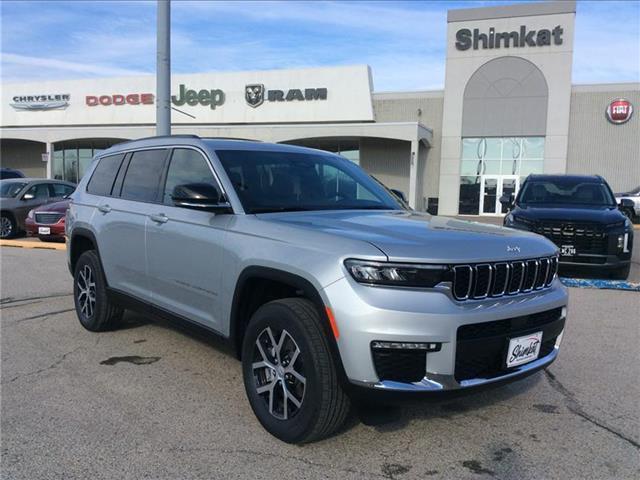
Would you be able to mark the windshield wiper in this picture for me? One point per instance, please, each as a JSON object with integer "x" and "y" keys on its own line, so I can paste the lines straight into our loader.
{"x": 279, "y": 209}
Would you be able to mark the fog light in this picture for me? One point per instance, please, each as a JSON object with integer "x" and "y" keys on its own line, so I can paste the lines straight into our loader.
{"x": 427, "y": 347}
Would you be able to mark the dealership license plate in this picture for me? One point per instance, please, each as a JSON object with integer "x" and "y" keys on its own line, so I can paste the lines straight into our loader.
{"x": 567, "y": 250}
{"x": 523, "y": 349}
{"x": 44, "y": 230}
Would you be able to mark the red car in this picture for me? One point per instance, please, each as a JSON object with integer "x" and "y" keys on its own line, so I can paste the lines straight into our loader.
{"x": 47, "y": 221}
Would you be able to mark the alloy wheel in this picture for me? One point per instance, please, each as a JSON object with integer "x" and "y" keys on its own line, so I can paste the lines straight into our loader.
{"x": 278, "y": 372}
{"x": 86, "y": 291}
{"x": 6, "y": 227}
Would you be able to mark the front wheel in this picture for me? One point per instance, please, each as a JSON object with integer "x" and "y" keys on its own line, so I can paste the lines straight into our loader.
{"x": 7, "y": 226}
{"x": 95, "y": 312}
{"x": 621, "y": 273}
{"x": 289, "y": 374}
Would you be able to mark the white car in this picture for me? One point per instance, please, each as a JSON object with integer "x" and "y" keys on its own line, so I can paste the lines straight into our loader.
{"x": 634, "y": 196}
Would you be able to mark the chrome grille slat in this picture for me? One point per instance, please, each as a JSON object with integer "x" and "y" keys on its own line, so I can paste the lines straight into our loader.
{"x": 486, "y": 280}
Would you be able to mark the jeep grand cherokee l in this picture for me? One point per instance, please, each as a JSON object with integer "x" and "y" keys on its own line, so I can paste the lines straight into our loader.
{"x": 580, "y": 215}
{"x": 313, "y": 271}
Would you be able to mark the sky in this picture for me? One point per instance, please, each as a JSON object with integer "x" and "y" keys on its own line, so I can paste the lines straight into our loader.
{"x": 402, "y": 41}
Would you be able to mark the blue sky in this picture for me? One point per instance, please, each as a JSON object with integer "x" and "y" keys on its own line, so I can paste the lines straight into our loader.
{"x": 404, "y": 42}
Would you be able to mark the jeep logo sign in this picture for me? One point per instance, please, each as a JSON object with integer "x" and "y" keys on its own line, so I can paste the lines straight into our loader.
{"x": 619, "y": 111}
{"x": 466, "y": 39}
{"x": 212, "y": 98}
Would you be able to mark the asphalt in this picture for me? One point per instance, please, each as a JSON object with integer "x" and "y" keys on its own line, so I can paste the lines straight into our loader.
{"x": 155, "y": 401}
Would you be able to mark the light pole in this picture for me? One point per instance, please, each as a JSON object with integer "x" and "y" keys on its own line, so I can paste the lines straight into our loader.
{"x": 163, "y": 69}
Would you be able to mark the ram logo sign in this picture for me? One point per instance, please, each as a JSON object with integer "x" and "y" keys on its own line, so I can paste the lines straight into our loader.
{"x": 255, "y": 96}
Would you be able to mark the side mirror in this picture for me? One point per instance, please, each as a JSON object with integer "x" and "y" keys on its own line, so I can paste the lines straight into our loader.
{"x": 28, "y": 196}
{"x": 200, "y": 196}
{"x": 507, "y": 200}
{"x": 399, "y": 194}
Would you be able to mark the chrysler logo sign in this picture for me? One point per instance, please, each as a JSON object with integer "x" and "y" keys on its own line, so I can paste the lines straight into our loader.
{"x": 41, "y": 102}
{"x": 619, "y": 111}
{"x": 254, "y": 94}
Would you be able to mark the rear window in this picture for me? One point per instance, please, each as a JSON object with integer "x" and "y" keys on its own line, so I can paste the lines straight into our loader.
{"x": 104, "y": 175}
{"x": 142, "y": 180}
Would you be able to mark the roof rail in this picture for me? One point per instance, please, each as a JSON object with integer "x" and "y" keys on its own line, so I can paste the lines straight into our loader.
{"x": 181, "y": 135}
{"x": 233, "y": 138}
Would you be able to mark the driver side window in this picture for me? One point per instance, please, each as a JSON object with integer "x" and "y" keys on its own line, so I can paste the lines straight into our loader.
{"x": 187, "y": 166}
{"x": 40, "y": 191}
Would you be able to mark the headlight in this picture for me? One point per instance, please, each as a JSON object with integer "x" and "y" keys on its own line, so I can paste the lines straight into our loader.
{"x": 397, "y": 274}
{"x": 617, "y": 224}
{"x": 30, "y": 214}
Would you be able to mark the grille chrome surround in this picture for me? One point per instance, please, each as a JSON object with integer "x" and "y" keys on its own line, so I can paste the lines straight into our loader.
{"x": 483, "y": 280}
{"x": 48, "y": 218}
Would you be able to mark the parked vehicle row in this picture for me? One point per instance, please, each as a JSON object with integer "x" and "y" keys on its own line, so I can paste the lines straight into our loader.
{"x": 20, "y": 196}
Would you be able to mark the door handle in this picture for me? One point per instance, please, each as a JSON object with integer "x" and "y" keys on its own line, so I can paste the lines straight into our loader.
{"x": 160, "y": 218}
{"x": 104, "y": 208}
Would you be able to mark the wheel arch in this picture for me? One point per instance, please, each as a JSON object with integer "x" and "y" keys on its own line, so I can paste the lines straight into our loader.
{"x": 243, "y": 307}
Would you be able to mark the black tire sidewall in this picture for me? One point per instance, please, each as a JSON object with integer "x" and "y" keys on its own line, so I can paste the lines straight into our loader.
{"x": 13, "y": 226}
{"x": 278, "y": 316}
{"x": 97, "y": 321}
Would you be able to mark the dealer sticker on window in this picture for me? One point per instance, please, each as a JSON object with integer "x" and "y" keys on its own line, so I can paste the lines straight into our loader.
{"x": 523, "y": 349}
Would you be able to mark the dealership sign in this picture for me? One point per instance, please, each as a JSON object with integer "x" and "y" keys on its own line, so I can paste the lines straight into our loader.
{"x": 619, "y": 111}
{"x": 254, "y": 94}
{"x": 41, "y": 102}
{"x": 524, "y": 37}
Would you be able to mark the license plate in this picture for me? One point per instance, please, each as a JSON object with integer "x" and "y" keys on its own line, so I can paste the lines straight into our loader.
{"x": 523, "y": 349}
{"x": 567, "y": 250}
{"x": 44, "y": 230}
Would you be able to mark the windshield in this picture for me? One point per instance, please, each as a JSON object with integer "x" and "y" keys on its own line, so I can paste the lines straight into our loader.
{"x": 565, "y": 192}
{"x": 10, "y": 189}
{"x": 285, "y": 181}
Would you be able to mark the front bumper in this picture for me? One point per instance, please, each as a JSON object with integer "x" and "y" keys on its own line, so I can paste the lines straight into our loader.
{"x": 56, "y": 229}
{"x": 369, "y": 314}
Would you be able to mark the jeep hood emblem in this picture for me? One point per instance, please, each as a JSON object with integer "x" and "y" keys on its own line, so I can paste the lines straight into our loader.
{"x": 515, "y": 248}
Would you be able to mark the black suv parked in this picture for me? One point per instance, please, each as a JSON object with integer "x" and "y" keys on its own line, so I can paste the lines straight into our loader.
{"x": 580, "y": 215}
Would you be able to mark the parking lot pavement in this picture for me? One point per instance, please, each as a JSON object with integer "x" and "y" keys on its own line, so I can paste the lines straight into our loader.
{"x": 155, "y": 401}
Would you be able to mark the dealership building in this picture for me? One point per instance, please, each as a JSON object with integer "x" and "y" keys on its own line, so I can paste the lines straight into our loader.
{"x": 508, "y": 109}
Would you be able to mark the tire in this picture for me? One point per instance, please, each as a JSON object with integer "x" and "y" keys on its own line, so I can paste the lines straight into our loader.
{"x": 7, "y": 226}
{"x": 621, "y": 273}
{"x": 89, "y": 282}
{"x": 320, "y": 406}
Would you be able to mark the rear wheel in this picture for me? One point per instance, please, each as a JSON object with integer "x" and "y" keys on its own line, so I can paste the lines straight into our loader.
{"x": 94, "y": 310}
{"x": 7, "y": 226}
{"x": 289, "y": 375}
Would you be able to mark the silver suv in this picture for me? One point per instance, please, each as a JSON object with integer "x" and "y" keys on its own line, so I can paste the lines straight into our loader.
{"x": 318, "y": 276}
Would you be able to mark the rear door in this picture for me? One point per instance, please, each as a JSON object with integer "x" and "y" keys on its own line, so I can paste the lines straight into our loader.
{"x": 185, "y": 246}
{"x": 120, "y": 220}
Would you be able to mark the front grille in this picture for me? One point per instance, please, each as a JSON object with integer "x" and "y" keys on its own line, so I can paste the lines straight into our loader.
{"x": 503, "y": 278}
{"x": 481, "y": 347}
{"x": 48, "y": 218}
{"x": 585, "y": 237}
{"x": 400, "y": 365}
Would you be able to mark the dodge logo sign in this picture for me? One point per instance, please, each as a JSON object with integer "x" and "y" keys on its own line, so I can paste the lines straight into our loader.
{"x": 619, "y": 111}
{"x": 254, "y": 94}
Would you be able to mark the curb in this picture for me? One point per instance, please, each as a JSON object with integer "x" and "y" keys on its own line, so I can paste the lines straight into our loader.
{"x": 31, "y": 244}
{"x": 601, "y": 284}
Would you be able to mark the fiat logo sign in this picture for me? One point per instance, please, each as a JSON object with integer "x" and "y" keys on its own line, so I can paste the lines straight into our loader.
{"x": 619, "y": 111}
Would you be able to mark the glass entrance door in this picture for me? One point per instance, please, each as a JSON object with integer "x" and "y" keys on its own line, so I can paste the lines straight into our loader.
{"x": 492, "y": 187}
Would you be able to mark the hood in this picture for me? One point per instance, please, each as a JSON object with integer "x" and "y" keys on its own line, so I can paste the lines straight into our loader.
{"x": 603, "y": 215}
{"x": 60, "y": 207}
{"x": 415, "y": 237}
